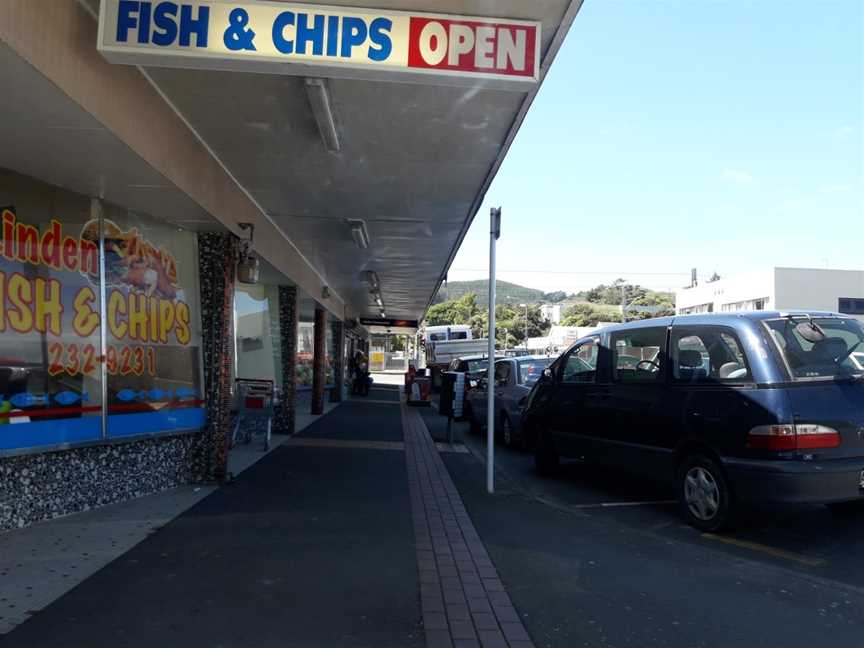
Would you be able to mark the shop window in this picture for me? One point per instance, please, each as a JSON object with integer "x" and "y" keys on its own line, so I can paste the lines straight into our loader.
{"x": 51, "y": 388}
{"x": 305, "y": 352}
{"x": 258, "y": 349}
{"x": 50, "y": 376}
{"x": 154, "y": 371}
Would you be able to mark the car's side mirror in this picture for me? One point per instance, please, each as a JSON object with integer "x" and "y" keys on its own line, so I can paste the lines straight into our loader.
{"x": 547, "y": 375}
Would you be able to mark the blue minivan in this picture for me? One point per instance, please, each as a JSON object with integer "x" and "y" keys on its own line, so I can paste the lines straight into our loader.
{"x": 761, "y": 407}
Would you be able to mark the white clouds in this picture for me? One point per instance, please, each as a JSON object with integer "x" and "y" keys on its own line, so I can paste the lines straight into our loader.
{"x": 736, "y": 176}
{"x": 843, "y": 133}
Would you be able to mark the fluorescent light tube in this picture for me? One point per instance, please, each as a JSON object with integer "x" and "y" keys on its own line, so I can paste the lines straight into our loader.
{"x": 322, "y": 109}
{"x": 359, "y": 233}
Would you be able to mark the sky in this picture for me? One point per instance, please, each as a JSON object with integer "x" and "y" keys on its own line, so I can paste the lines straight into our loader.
{"x": 679, "y": 134}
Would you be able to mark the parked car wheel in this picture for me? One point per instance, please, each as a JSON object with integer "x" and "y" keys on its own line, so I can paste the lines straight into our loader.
{"x": 546, "y": 460}
{"x": 703, "y": 493}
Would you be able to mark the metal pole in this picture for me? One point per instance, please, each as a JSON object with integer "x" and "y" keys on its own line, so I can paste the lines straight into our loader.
{"x": 494, "y": 233}
{"x": 96, "y": 213}
{"x": 526, "y": 327}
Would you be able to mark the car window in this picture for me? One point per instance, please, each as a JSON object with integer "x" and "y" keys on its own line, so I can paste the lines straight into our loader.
{"x": 707, "y": 355}
{"x": 733, "y": 347}
{"x": 828, "y": 351}
{"x": 475, "y": 366}
{"x": 638, "y": 355}
{"x": 502, "y": 373}
{"x": 580, "y": 366}
{"x": 690, "y": 359}
{"x": 459, "y": 335}
{"x": 531, "y": 370}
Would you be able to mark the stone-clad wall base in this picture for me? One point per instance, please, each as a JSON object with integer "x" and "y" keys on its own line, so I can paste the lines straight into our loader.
{"x": 43, "y": 486}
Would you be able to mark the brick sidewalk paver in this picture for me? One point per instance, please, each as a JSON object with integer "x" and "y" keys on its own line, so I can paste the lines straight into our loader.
{"x": 463, "y": 601}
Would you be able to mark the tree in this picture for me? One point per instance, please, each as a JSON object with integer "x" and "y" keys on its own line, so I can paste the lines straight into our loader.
{"x": 512, "y": 318}
{"x": 613, "y": 293}
{"x": 455, "y": 311}
{"x": 509, "y": 318}
{"x": 588, "y": 315}
{"x": 554, "y": 297}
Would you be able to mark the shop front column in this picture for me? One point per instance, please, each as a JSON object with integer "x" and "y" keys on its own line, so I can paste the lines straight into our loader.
{"x": 318, "y": 361}
{"x": 338, "y": 362}
{"x": 217, "y": 253}
{"x": 286, "y": 414}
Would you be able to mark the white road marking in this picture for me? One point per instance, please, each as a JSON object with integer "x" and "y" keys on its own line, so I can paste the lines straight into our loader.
{"x": 648, "y": 503}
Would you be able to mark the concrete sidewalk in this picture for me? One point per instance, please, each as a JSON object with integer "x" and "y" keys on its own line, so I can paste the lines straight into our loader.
{"x": 351, "y": 534}
{"x": 41, "y": 563}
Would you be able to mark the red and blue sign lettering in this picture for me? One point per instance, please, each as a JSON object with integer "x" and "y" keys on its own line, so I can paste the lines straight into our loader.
{"x": 264, "y": 33}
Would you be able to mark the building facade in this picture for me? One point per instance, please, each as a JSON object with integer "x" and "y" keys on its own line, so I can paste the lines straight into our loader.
{"x": 777, "y": 289}
{"x": 139, "y": 163}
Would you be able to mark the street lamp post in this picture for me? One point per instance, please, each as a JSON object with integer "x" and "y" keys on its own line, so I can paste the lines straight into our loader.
{"x": 525, "y": 306}
{"x": 494, "y": 234}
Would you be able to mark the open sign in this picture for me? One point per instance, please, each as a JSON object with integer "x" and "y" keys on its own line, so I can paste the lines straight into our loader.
{"x": 471, "y": 46}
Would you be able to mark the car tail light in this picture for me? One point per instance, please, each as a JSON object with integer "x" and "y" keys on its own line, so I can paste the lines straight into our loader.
{"x": 808, "y": 436}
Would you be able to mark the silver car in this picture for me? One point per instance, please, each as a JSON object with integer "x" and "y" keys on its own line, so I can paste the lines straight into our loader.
{"x": 514, "y": 378}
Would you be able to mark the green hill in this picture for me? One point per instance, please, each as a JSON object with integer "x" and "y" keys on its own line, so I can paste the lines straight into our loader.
{"x": 506, "y": 292}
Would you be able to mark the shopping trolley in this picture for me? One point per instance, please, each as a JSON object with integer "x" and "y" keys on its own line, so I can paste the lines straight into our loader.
{"x": 255, "y": 404}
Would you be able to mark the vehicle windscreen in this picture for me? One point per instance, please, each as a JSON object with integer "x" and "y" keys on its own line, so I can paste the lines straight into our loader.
{"x": 531, "y": 370}
{"x": 475, "y": 366}
{"x": 820, "y": 348}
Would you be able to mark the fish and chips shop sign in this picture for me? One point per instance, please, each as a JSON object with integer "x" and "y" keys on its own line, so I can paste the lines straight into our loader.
{"x": 305, "y": 39}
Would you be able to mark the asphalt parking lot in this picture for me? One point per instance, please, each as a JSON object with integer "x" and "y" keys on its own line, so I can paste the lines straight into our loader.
{"x": 598, "y": 558}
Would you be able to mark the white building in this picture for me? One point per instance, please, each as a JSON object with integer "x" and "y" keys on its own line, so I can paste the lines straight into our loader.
{"x": 552, "y": 312}
{"x": 560, "y": 338}
{"x": 777, "y": 289}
